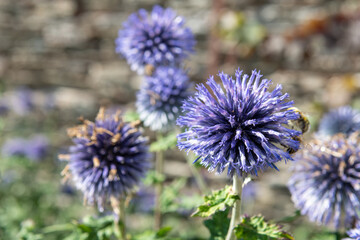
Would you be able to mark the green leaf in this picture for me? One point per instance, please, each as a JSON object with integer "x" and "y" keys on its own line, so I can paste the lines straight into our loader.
{"x": 292, "y": 218}
{"x": 256, "y": 228}
{"x": 131, "y": 116}
{"x": 90, "y": 229}
{"x": 170, "y": 201}
{"x": 164, "y": 143}
{"x": 218, "y": 225}
{"x": 217, "y": 201}
{"x": 152, "y": 235}
{"x": 153, "y": 178}
{"x": 163, "y": 232}
{"x": 27, "y": 231}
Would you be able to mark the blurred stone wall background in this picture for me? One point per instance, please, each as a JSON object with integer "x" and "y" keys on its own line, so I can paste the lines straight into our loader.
{"x": 66, "y": 47}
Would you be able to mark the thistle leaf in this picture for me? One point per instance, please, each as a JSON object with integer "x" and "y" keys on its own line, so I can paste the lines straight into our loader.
{"x": 218, "y": 225}
{"x": 218, "y": 200}
{"x": 256, "y": 228}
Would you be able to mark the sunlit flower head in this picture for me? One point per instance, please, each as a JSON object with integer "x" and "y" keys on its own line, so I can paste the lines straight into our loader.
{"x": 160, "y": 97}
{"x": 239, "y": 125}
{"x": 156, "y": 38}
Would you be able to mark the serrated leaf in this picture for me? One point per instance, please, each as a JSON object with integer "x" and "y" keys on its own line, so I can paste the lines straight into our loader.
{"x": 217, "y": 201}
{"x": 256, "y": 228}
{"x": 218, "y": 225}
{"x": 164, "y": 143}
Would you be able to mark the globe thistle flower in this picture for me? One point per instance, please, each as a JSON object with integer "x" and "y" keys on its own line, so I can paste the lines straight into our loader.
{"x": 160, "y": 97}
{"x": 108, "y": 159}
{"x": 240, "y": 125}
{"x": 37, "y": 148}
{"x": 156, "y": 38}
{"x": 354, "y": 234}
{"x": 14, "y": 147}
{"x": 341, "y": 120}
{"x": 325, "y": 183}
{"x": 34, "y": 148}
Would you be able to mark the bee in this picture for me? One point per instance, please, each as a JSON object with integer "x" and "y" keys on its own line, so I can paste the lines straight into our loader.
{"x": 301, "y": 124}
{"x": 291, "y": 150}
{"x": 149, "y": 69}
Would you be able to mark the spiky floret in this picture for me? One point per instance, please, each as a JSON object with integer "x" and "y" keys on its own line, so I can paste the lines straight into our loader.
{"x": 108, "y": 159}
{"x": 325, "y": 183}
{"x": 156, "y": 38}
{"x": 354, "y": 234}
{"x": 341, "y": 120}
{"x": 160, "y": 97}
{"x": 239, "y": 124}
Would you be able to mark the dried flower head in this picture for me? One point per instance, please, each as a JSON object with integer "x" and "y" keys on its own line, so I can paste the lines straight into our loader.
{"x": 160, "y": 97}
{"x": 240, "y": 125}
{"x": 108, "y": 159}
{"x": 325, "y": 183}
{"x": 156, "y": 38}
{"x": 341, "y": 120}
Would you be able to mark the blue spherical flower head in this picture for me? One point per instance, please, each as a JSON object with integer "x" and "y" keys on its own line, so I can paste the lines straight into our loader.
{"x": 325, "y": 183}
{"x": 240, "y": 125}
{"x": 342, "y": 120}
{"x": 161, "y": 96}
{"x": 108, "y": 159}
{"x": 156, "y": 38}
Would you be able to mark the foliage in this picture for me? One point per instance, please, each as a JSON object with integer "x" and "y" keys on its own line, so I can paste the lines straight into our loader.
{"x": 256, "y": 228}
{"x": 131, "y": 116}
{"x": 162, "y": 234}
{"x": 153, "y": 178}
{"x": 218, "y": 225}
{"x": 92, "y": 228}
{"x": 164, "y": 143}
{"x": 32, "y": 192}
{"x": 217, "y": 201}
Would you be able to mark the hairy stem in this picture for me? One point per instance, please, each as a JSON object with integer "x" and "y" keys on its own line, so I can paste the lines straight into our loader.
{"x": 235, "y": 215}
{"x": 159, "y": 190}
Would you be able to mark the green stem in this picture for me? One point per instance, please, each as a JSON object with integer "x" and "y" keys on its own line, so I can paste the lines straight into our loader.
{"x": 198, "y": 178}
{"x": 338, "y": 235}
{"x": 159, "y": 190}
{"x": 236, "y": 213}
{"x": 120, "y": 220}
{"x": 123, "y": 219}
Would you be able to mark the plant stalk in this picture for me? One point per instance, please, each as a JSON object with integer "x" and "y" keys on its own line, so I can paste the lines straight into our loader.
{"x": 159, "y": 189}
{"x": 236, "y": 211}
{"x": 198, "y": 178}
{"x": 120, "y": 220}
